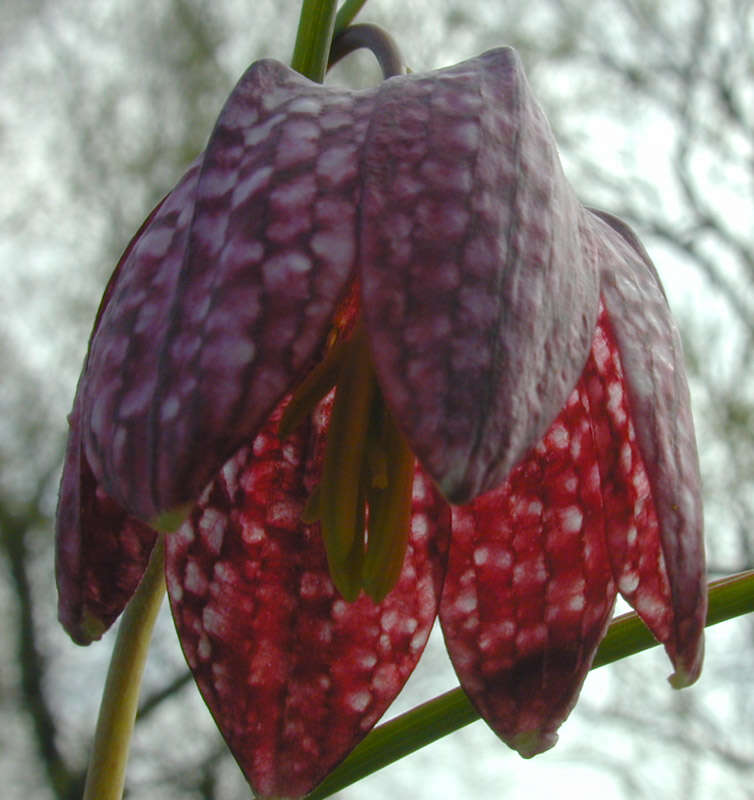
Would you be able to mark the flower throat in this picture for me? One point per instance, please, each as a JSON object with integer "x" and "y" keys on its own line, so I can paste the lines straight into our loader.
{"x": 363, "y": 499}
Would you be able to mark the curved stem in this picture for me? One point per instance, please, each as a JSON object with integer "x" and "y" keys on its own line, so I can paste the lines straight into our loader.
{"x": 107, "y": 765}
{"x": 373, "y": 38}
{"x": 728, "y": 598}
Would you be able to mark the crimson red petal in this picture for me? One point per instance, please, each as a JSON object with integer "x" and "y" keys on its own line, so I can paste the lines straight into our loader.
{"x": 478, "y": 298}
{"x": 529, "y": 589}
{"x": 662, "y": 572}
{"x": 293, "y": 674}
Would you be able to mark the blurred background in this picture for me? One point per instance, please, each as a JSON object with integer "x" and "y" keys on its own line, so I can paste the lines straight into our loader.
{"x": 102, "y": 106}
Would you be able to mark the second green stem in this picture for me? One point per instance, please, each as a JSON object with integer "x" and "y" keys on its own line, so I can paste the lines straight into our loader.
{"x": 107, "y": 765}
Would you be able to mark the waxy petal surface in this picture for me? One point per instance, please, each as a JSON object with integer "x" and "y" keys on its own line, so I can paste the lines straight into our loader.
{"x": 100, "y": 551}
{"x": 120, "y": 415}
{"x": 479, "y": 301}
{"x": 227, "y": 297}
{"x": 651, "y": 356}
{"x": 293, "y": 674}
{"x": 271, "y": 253}
{"x": 534, "y": 565}
{"x": 529, "y": 589}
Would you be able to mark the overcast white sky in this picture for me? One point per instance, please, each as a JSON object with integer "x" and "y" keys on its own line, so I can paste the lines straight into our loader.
{"x": 39, "y": 260}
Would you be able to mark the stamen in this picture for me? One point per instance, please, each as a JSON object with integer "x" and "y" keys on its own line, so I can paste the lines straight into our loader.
{"x": 363, "y": 500}
{"x": 313, "y": 388}
{"x": 377, "y": 458}
{"x": 341, "y": 495}
{"x": 389, "y": 515}
{"x": 346, "y": 574}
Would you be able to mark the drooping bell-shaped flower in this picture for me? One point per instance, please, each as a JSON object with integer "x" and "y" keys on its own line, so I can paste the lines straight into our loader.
{"x": 386, "y": 365}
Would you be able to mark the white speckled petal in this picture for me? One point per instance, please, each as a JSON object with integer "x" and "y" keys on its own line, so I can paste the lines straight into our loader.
{"x": 294, "y": 675}
{"x": 529, "y": 589}
{"x": 652, "y": 359}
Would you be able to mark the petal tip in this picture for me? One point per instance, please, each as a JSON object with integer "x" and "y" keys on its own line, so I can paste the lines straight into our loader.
{"x": 531, "y": 743}
{"x": 84, "y": 630}
{"x": 92, "y": 627}
{"x": 687, "y": 671}
{"x": 680, "y": 679}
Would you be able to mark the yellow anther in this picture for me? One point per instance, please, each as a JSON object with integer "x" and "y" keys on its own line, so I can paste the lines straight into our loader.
{"x": 346, "y": 572}
{"x": 367, "y": 464}
{"x": 341, "y": 496}
{"x": 377, "y": 464}
{"x": 389, "y": 515}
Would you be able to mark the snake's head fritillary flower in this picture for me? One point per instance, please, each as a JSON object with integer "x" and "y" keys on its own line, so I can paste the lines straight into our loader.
{"x": 385, "y": 365}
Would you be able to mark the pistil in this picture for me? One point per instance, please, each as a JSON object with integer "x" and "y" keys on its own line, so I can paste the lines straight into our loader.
{"x": 363, "y": 500}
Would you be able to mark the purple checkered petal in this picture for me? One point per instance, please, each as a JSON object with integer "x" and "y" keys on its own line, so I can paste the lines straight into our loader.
{"x": 479, "y": 301}
{"x": 272, "y": 251}
{"x": 652, "y": 356}
{"x": 121, "y": 376}
{"x": 228, "y": 295}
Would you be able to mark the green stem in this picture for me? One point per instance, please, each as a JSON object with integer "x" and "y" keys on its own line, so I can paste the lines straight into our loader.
{"x": 728, "y": 598}
{"x": 315, "y": 32}
{"x": 346, "y": 14}
{"x": 107, "y": 765}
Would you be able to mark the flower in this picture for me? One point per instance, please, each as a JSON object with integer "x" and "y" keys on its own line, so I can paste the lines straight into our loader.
{"x": 511, "y": 418}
